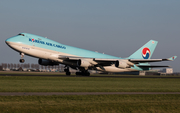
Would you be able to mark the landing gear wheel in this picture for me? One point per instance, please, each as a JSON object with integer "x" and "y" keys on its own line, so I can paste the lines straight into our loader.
{"x": 21, "y": 60}
{"x": 78, "y": 73}
{"x": 83, "y": 73}
{"x": 86, "y": 74}
{"x": 68, "y": 73}
{"x": 22, "y": 56}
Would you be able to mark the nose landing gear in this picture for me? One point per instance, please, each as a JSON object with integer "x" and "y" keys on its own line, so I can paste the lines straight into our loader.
{"x": 21, "y": 60}
{"x": 22, "y": 56}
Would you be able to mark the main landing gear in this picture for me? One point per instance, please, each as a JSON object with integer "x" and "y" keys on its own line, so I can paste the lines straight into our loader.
{"x": 22, "y": 56}
{"x": 83, "y": 73}
{"x": 66, "y": 69}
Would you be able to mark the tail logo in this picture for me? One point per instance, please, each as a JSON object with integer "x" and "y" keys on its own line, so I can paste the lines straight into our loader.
{"x": 146, "y": 53}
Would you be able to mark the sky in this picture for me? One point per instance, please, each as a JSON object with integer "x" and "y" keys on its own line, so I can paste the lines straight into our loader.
{"x": 114, "y": 27}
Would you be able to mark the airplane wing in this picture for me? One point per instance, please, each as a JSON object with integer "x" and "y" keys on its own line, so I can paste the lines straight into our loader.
{"x": 109, "y": 62}
{"x": 72, "y": 57}
{"x": 113, "y": 60}
{"x": 100, "y": 62}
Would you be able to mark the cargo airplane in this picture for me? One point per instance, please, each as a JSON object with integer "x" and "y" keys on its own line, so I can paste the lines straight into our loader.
{"x": 52, "y": 53}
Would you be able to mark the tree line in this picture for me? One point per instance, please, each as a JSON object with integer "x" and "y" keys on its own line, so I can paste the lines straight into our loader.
{"x": 30, "y": 66}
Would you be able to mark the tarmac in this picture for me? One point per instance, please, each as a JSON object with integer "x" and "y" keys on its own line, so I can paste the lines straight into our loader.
{"x": 107, "y": 76}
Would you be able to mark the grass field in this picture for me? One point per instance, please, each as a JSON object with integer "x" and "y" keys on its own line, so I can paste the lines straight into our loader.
{"x": 91, "y": 104}
{"x": 87, "y": 84}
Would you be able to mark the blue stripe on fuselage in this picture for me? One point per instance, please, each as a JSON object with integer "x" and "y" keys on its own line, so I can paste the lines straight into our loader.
{"x": 38, "y": 41}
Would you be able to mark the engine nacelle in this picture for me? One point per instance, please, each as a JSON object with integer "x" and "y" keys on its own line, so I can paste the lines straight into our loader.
{"x": 47, "y": 62}
{"x": 121, "y": 64}
{"x": 83, "y": 63}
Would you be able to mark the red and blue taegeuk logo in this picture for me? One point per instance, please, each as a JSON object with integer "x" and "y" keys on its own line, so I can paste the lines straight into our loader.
{"x": 146, "y": 53}
{"x": 33, "y": 40}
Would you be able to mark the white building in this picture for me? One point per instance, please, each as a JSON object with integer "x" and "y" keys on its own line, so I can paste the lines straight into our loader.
{"x": 168, "y": 70}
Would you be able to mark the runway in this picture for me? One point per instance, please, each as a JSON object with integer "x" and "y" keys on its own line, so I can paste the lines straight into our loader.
{"x": 107, "y": 76}
{"x": 82, "y": 93}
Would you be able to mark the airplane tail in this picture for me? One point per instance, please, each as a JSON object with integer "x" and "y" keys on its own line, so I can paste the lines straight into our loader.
{"x": 145, "y": 52}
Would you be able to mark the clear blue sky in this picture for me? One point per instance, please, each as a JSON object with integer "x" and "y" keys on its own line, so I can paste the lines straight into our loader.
{"x": 114, "y": 27}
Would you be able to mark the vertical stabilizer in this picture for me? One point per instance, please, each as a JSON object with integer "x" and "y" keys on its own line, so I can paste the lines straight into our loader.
{"x": 146, "y": 51}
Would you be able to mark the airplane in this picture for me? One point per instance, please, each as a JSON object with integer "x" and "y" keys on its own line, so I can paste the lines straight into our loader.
{"x": 52, "y": 53}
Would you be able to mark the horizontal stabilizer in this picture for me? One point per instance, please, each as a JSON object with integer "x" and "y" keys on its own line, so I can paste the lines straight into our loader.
{"x": 170, "y": 59}
{"x": 151, "y": 60}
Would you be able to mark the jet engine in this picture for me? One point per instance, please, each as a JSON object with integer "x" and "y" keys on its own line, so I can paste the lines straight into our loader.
{"x": 83, "y": 63}
{"x": 121, "y": 64}
{"x": 47, "y": 62}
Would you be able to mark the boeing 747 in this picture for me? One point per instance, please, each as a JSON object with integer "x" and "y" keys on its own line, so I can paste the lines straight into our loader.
{"x": 52, "y": 53}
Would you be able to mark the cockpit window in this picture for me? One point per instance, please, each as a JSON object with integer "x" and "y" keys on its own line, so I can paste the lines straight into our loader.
{"x": 21, "y": 34}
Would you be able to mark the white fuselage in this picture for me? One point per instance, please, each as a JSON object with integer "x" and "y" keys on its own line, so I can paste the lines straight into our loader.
{"x": 53, "y": 55}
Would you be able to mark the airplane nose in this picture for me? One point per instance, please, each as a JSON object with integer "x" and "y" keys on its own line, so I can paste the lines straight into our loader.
{"x": 15, "y": 39}
{"x": 8, "y": 41}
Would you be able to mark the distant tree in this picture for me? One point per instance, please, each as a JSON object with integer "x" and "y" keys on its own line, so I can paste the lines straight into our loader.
{"x": 49, "y": 67}
{"x": 22, "y": 66}
{"x": 32, "y": 66}
{"x": 57, "y": 66}
{"x": 37, "y": 66}
{"x": 42, "y": 67}
{"x": 18, "y": 66}
{"x": 62, "y": 67}
{"x": 28, "y": 65}
{"x": 2, "y": 65}
{"x": 5, "y": 66}
{"x": 9, "y": 66}
{"x": 15, "y": 66}
{"x": 25, "y": 66}
{"x": 12, "y": 66}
